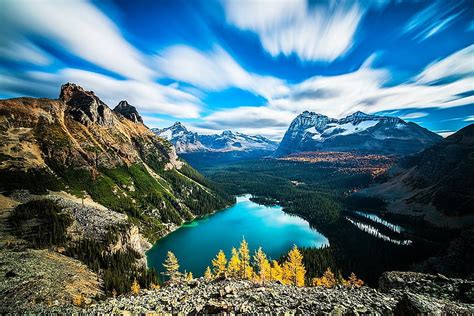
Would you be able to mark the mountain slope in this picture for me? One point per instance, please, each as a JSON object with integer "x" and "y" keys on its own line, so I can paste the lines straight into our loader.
{"x": 437, "y": 183}
{"x": 310, "y": 131}
{"x": 186, "y": 141}
{"x": 78, "y": 144}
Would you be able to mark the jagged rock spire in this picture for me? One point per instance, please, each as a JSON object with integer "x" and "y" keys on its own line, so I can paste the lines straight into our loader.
{"x": 84, "y": 106}
{"x": 128, "y": 111}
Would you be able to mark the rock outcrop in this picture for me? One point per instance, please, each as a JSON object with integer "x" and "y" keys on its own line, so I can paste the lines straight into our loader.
{"x": 85, "y": 106}
{"x": 401, "y": 293}
{"x": 128, "y": 111}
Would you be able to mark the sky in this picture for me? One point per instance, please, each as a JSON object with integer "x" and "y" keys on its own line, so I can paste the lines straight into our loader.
{"x": 248, "y": 66}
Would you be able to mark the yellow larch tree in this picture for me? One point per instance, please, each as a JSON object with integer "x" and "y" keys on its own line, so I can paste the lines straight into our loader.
{"x": 208, "y": 274}
{"x": 234, "y": 264}
{"x": 263, "y": 266}
{"x": 354, "y": 281}
{"x": 172, "y": 267}
{"x": 327, "y": 280}
{"x": 135, "y": 288}
{"x": 246, "y": 270}
{"x": 293, "y": 269}
{"x": 220, "y": 264}
{"x": 189, "y": 276}
{"x": 276, "y": 272}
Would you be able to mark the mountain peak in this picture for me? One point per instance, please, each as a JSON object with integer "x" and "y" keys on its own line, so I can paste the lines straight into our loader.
{"x": 128, "y": 111}
{"x": 85, "y": 106}
{"x": 359, "y": 131}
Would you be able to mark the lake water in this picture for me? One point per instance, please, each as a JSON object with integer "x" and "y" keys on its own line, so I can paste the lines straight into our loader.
{"x": 196, "y": 243}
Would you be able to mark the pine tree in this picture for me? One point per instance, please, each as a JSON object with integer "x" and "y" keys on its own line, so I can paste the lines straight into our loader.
{"x": 244, "y": 253}
{"x": 172, "y": 267}
{"x": 135, "y": 288}
{"x": 219, "y": 264}
{"x": 208, "y": 274}
{"x": 234, "y": 264}
{"x": 293, "y": 269}
{"x": 263, "y": 266}
{"x": 276, "y": 271}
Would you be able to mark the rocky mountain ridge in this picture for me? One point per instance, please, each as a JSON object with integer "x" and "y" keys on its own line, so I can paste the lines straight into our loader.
{"x": 186, "y": 141}
{"x": 436, "y": 184}
{"x": 311, "y": 131}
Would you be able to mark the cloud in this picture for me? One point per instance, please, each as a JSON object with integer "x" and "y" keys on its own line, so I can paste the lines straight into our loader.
{"x": 433, "y": 19}
{"x": 456, "y": 66}
{"x": 78, "y": 27}
{"x": 214, "y": 70}
{"x": 414, "y": 115}
{"x": 322, "y": 32}
{"x": 445, "y": 133}
{"x": 363, "y": 90}
{"x": 145, "y": 95}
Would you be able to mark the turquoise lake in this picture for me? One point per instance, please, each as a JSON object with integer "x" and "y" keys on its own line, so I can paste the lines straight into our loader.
{"x": 196, "y": 243}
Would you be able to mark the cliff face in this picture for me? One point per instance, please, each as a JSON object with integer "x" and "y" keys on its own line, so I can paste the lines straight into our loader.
{"x": 78, "y": 144}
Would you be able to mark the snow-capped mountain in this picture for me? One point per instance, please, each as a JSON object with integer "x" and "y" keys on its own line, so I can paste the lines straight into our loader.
{"x": 310, "y": 131}
{"x": 186, "y": 141}
{"x": 183, "y": 140}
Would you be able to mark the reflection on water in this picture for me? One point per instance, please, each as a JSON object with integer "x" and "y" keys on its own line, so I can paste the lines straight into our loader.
{"x": 375, "y": 218}
{"x": 375, "y": 232}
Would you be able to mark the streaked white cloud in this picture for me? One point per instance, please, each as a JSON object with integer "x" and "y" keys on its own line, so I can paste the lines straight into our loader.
{"x": 362, "y": 90}
{"x": 433, "y": 19}
{"x": 458, "y": 65}
{"x": 414, "y": 115}
{"x": 145, "y": 95}
{"x": 75, "y": 26}
{"x": 322, "y": 32}
{"x": 215, "y": 70}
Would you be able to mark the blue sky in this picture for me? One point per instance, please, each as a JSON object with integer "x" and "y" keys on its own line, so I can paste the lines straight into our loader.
{"x": 248, "y": 66}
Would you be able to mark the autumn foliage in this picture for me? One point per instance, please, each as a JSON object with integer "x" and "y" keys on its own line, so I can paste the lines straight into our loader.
{"x": 258, "y": 268}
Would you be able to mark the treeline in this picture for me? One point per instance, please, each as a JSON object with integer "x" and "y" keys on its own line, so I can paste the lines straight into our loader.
{"x": 119, "y": 270}
{"x": 40, "y": 222}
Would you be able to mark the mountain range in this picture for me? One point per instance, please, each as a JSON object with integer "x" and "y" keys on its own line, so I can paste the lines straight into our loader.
{"x": 186, "y": 141}
{"x": 310, "y": 131}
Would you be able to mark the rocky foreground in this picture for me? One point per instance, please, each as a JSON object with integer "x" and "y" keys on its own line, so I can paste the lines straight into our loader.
{"x": 400, "y": 293}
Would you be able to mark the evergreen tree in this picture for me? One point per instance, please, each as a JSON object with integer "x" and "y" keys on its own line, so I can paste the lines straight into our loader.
{"x": 219, "y": 264}
{"x": 263, "y": 266}
{"x": 293, "y": 269}
{"x": 234, "y": 264}
{"x": 172, "y": 266}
